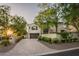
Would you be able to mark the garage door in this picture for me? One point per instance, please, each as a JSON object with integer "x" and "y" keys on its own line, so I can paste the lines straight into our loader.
{"x": 34, "y": 35}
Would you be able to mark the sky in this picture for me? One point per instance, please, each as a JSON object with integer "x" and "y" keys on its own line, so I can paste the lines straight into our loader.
{"x": 27, "y": 10}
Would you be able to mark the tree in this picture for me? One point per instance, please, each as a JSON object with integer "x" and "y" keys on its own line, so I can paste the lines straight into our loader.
{"x": 47, "y": 17}
{"x": 4, "y": 15}
{"x": 17, "y": 23}
{"x": 70, "y": 13}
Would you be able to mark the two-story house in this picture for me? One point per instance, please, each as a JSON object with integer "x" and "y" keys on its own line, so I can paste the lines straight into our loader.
{"x": 33, "y": 31}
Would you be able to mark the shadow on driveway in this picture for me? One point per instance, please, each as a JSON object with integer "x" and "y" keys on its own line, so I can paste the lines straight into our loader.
{"x": 7, "y": 48}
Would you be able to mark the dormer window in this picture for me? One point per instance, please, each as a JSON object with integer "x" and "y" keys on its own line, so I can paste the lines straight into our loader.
{"x": 34, "y": 28}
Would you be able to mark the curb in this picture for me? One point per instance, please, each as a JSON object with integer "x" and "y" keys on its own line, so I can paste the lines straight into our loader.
{"x": 41, "y": 54}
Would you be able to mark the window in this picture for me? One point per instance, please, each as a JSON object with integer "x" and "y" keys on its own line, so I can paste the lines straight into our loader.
{"x": 34, "y": 28}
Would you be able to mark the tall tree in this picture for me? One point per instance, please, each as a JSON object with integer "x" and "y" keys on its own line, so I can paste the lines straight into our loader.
{"x": 15, "y": 22}
{"x": 45, "y": 19}
{"x": 19, "y": 24}
{"x": 48, "y": 16}
{"x": 4, "y": 15}
{"x": 70, "y": 13}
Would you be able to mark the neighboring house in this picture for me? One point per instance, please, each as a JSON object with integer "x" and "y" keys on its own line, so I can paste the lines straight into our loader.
{"x": 33, "y": 31}
{"x": 61, "y": 26}
{"x": 72, "y": 29}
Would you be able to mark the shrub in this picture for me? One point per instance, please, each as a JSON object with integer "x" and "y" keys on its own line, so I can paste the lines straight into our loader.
{"x": 64, "y": 34}
{"x": 39, "y": 38}
{"x": 74, "y": 39}
{"x": 5, "y": 42}
{"x": 70, "y": 40}
{"x": 63, "y": 41}
{"x": 19, "y": 38}
{"x": 50, "y": 40}
{"x": 67, "y": 40}
{"x": 45, "y": 39}
{"x": 67, "y": 37}
{"x": 55, "y": 40}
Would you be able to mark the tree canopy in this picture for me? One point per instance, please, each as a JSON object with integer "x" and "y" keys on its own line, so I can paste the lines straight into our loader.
{"x": 52, "y": 13}
{"x": 7, "y": 21}
{"x": 47, "y": 17}
{"x": 70, "y": 13}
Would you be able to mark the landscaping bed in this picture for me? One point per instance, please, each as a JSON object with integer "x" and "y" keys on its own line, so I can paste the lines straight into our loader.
{"x": 63, "y": 37}
{"x": 59, "y": 41}
{"x": 6, "y": 41}
{"x": 47, "y": 38}
{"x": 61, "y": 46}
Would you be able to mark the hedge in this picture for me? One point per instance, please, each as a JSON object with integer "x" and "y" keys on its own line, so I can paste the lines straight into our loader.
{"x": 57, "y": 40}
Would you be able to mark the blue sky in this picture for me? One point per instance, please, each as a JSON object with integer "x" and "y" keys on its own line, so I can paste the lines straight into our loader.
{"x": 27, "y": 10}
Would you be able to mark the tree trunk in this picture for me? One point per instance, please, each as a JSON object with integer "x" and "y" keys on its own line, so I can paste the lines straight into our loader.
{"x": 76, "y": 23}
{"x": 56, "y": 28}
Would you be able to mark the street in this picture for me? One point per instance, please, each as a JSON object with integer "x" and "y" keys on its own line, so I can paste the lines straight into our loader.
{"x": 66, "y": 53}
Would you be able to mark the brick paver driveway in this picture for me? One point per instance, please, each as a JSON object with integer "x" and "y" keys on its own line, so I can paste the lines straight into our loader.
{"x": 27, "y": 47}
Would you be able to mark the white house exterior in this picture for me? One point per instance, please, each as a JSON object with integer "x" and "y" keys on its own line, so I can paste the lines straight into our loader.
{"x": 61, "y": 26}
{"x": 33, "y": 31}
